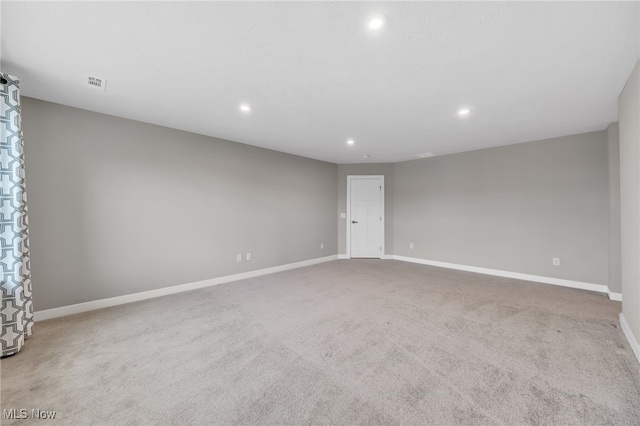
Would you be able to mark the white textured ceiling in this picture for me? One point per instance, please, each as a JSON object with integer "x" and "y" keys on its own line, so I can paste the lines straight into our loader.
{"x": 315, "y": 76}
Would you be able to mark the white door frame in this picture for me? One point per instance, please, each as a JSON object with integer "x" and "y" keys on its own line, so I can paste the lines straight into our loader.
{"x": 348, "y": 224}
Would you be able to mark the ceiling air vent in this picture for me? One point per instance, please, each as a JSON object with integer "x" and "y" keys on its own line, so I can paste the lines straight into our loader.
{"x": 96, "y": 83}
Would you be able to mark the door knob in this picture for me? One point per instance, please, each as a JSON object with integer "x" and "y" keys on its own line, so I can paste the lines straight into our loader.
{"x": 353, "y": 221}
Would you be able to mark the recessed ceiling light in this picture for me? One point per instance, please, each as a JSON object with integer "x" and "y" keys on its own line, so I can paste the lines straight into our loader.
{"x": 366, "y": 156}
{"x": 245, "y": 108}
{"x": 425, "y": 155}
{"x": 350, "y": 142}
{"x": 376, "y": 22}
{"x": 464, "y": 111}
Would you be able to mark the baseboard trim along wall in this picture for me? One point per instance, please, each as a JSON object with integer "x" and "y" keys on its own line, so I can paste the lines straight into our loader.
{"x": 601, "y": 288}
{"x": 624, "y": 325}
{"x": 346, "y": 256}
{"x": 135, "y": 297}
{"x": 615, "y": 296}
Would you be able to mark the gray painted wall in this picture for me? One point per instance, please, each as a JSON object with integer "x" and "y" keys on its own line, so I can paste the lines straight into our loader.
{"x": 119, "y": 207}
{"x": 510, "y": 208}
{"x": 385, "y": 169}
{"x": 613, "y": 157}
{"x": 629, "y": 119}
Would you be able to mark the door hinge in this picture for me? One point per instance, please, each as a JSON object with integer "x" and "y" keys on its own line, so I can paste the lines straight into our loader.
{"x": 380, "y": 248}
{"x": 381, "y": 188}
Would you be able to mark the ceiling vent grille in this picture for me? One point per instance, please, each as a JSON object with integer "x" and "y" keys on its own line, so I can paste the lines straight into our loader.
{"x": 96, "y": 83}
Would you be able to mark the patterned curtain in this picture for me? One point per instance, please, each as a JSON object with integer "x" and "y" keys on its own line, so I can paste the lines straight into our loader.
{"x": 16, "y": 311}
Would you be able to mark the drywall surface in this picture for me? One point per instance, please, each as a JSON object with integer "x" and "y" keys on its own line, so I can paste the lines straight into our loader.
{"x": 511, "y": 208}
{"x": 629, "y": 120}
{"x": 119, "y": 207}
{"x": 385, "y": 169}
{"x": 613, "y": 156}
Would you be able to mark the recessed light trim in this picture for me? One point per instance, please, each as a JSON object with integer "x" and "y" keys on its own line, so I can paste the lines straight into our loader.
{"x": 366, "y": 156}
{"x": 376, "y": 22}
{"x": 245, "y": 108}
{"x": 425, "y": 155}
{"x": 464, "y": 111}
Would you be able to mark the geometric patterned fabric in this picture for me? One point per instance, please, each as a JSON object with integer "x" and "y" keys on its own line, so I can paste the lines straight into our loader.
{"x": 16, "y": 312}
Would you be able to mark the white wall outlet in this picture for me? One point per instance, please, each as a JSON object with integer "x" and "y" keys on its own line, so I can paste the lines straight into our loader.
{"x": 248, "y": 256}
{"x": 556, "y": 261}
{"x": 239, "y": 258}
{"x": 343, "y": 215}
{"x": 321, "y": 245}
{"x": 411, "y": 246}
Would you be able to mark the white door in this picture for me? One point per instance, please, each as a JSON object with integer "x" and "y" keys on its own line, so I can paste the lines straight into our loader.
{"x": 366, "y": 224}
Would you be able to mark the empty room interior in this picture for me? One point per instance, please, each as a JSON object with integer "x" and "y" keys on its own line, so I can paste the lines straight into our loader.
{"x": 292, "y": 213}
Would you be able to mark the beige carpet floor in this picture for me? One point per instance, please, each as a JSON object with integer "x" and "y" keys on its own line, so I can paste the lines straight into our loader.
{"x": 345, "y": 342}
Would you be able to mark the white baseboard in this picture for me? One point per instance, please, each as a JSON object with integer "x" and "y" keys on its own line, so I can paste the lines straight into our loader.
{"x": 346, "y": 256}
{"x": 615, "y": 296}
{"x": 629, "y": 335}
{"x": 135, "y": 297}
{"x": 526, "y": 277}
